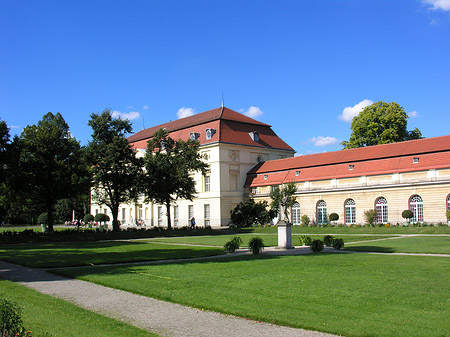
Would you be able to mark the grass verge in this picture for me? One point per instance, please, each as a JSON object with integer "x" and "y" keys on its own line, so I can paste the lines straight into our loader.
{"x": 345, "y": 294}
{"x": 48, "y": 316}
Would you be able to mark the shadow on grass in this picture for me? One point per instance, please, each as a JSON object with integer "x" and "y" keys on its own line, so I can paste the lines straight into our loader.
{"x": 376, "y": 249}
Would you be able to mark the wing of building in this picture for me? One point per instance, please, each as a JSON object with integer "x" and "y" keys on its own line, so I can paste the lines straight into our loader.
{"x": 390, "y": 178}
{"x": 232, "y": 144}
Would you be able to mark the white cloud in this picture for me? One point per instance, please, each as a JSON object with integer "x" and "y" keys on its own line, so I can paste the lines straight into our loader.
{"x": 14, "y": 127}
{"x": 185, "y": 112}
{"x": 413, "y": 114}
{"x": 438, "y": 4}
{"x": 126, "y": 115}
{"x": 145, "y": 107}
{"x": 323, "y": 141}
{"x": 351, "y": 111}
{"x": 253, "y": 112}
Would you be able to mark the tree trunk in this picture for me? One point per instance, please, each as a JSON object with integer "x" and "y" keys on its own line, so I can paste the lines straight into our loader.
{"x": 115, "y": 223}
{"x": 50, "y": 219}
{"x": 169, "y": 222}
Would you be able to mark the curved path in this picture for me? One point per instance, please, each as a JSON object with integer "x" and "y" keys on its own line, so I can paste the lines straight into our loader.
{"x": 163, "y": 318}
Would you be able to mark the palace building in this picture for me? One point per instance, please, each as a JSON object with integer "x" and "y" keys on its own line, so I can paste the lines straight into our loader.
{"x": 247, "y": 159}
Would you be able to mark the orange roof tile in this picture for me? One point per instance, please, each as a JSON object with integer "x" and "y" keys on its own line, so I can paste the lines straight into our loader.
{"x": 433, "y": 153}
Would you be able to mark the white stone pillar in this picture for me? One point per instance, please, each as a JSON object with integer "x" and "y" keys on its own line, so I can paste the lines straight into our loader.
{"x": 284, "y": 235}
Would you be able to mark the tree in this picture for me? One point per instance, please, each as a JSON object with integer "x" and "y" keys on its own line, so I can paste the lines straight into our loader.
{"x": 115, "y": 168}
{"x": 251, "y": 213}
{"x": 370, "y": 216}
{"x": 380, "y": 123}
{"x": 284, "y": 198}
{"x": 169, "y": 165}
{"x": 4, "y": 145}
{"x": 49, "y": 164}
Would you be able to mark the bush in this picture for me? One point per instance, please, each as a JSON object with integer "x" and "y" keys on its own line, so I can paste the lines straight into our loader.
{"x": 305, "y": 220}
{"x": 317, "y": 246}
{"x": 101, "y": 217}
{"x": 448, "y": 215}
{"x": 256, "y": 245}
{"x": 251, "y": 213}
{"x": 10, "y": 320}
{"x": 338, "y": 244}
{"x": 305, "y": 240}
{"x": 370, "y": 216}
{"x": 328, "y": 240}
{"x": 233, "y": 244}
{"x": 407, "y": 214}
{"x": 334, "y": 217}
{"x": 88, "y": 218}
{"x": 43, "y": 219}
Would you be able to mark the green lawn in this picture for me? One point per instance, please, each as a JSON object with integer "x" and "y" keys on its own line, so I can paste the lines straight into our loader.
{"x": 269, "y": 239}
{"x": 348, "y": 294}
{"x": 414, "y": 244}
{"x": 48, "y": 316}
{"x": 92, "y": 253}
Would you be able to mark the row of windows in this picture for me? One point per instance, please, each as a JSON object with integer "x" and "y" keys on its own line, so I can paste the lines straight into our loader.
{"x": 381, "y": 207}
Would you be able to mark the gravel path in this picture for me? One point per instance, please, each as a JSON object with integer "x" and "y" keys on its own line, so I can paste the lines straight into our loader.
{"x": 163, "y": 318}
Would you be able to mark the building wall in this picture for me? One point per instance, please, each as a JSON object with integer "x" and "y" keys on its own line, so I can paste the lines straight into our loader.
{"x": 433, "y": 186}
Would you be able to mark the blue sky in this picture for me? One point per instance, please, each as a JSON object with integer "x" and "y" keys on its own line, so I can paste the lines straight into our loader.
{"x": 305, "y": 67}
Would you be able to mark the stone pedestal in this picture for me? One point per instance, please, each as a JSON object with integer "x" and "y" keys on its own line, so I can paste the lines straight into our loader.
{"x": 284, "y": 235}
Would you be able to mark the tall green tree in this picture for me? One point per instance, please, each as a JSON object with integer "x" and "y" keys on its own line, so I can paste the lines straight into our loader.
{"x": 169, "y": 165}
{"x": 4, "y": 145}
{"x": 115, "y": 168}
{"x": 49, "y": 164}
{"x": 380, "y": 123}
{"x": 283, "y": 198}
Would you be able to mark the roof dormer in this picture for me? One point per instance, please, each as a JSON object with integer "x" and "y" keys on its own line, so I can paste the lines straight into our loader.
{"x": 254, "y": 135}
{"x": 194, "y": 135}
{"x": 210, "y": 133}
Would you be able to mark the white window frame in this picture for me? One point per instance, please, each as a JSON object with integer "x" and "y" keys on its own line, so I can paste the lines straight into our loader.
{"x": 207, "y": 214}
{"x": 350, "y": 212}
{"x": 176, "y": 214}
{"x": 381, "y": 207}
{"x": 416, "y": 206}
{"x": 160, "y": 213}
{"x": 207, "y": 183}
{"x": 295, "y": 214}
{"x": 321, "y": 211}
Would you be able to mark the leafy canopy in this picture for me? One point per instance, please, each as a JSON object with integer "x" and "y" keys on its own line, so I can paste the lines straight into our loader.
{"x": 380, "y": 123}
{"x": 283, "y": 198}
{"x": 115, "y": 168}
{"x": 251, "y": 213}
{"x": 169, "y": 165}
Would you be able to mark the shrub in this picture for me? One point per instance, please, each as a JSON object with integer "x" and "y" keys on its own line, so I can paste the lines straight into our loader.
{"x": 317, "y": 246}
{"x": 88, "y": 218}
{"x": 305, "y": 240}
{"x": 251, "y": 213}
{"x": 305, "y": 220}
{"x": 256, "y": 245}
{"x": 233, "y": 244}
{"x": 43, "y": 218}
{"x": 328, "y": 240}
{"x": 10, "y": 320}
{"x": 101, "y": 217}
{"x": 334, "y": 217}
{"x": 448, "y": 215}
{"x": 407, "y": 214}
{"x": 338, "y": 243}
{"x": 370, "y": 216}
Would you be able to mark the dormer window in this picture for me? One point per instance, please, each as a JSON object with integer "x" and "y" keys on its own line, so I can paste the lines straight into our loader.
{"x": 351, "y": 167}
{"x": 415, "y": 160}
{"x": 210, "y": 133}
{"x": 254, "y": 135}
{"x": 265, "y": 177}
{"x": 194, "y": 135}
{"x": 297, "y": 173}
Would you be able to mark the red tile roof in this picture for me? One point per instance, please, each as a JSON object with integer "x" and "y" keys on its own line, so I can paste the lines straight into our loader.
{"x": 433, "y": 153}
{"x": 230, "y": 126}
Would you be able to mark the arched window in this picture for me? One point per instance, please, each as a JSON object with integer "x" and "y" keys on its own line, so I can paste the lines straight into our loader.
{"x": 295, "y": 210}
{"x": 448, "y": 203}
{"x": 350, "y": 212}
{"x": 322, "y": 212}
{"x": 416, "y": 206}
{"x": 381, "y": 206}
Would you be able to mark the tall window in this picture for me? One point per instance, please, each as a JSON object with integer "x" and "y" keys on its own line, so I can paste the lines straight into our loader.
{"x": 416, "y": 206}
{"x": 207, "y": 214}
{"x": 321, "y": 212}
{"x": 175, "y": 215}
{"x": 207, "y": 183}
{"x": 123, "y": 214}
{"x": 350, "y": 212}
{"x": 296, "y": 214}
{"x": 160, "y": 216}
{"x": 381, "y": 206}
{"x": 190, "y": 212}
